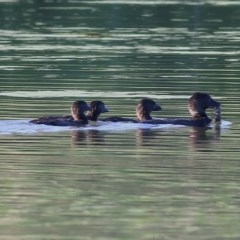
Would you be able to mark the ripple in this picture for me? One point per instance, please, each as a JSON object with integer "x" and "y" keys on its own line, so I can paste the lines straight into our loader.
{"x": 24, "y": 127}
{"x": 9, "y": 1}
{"x": 80, "y": 93}
{"x": 163, "y": 2}
{"x": 100, "y": 94}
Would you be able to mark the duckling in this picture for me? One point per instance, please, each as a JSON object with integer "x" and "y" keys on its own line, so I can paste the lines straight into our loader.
{"x": 199, "y": 102}
{"x": 197, "y": 105}
{"x": 143, "y": 112}
{"x": 77, "y": 117}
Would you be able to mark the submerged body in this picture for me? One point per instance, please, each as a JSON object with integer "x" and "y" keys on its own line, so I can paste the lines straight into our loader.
{"x": 190, "y": 122}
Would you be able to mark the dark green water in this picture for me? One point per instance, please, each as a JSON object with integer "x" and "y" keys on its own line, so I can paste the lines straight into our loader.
{"x": 115, "y": 181}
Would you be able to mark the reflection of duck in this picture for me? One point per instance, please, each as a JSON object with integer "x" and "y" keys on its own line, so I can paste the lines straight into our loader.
{"x": 202, "y": 140}
{"x": 143, "y": 111}
{"x": 77, "y": 117}
{"x": 89, "y": 137}
{"x": 147, "y": 136}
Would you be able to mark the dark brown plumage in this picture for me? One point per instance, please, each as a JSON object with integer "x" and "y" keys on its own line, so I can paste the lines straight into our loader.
{"x": 77, "y": 117}
{"x": 199, "y": 102}
{"x": 97, "y": 107}
{"x": 197, "y": 105}
{"x": 143, "y": 111}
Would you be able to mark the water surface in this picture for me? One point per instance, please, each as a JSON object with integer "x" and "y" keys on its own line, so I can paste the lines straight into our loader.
{"x": 118, "y": 181}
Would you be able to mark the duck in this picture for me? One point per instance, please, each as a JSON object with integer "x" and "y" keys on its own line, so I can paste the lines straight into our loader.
{"x": 199, "y": 102}
{"x": 77, "y": 117}
{"x": 143, "y": 112}
{"x": 144, "y": 109}
{"x": 197, "y": 105}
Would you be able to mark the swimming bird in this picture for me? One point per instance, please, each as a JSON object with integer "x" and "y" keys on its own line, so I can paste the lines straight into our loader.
{"x": 143, "y": 112}
{"x": 197, "y": 105}
{"x": 77, "y": 117}
{"x": 199, "y": 102}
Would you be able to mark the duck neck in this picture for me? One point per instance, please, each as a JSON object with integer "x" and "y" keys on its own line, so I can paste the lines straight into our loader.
{"x": 92, "y": 115}
{"x": 80, "y": 117}
{"x": 196, "y": 111}
{"x": 143, "y": 114}
{"x": 217, "y": 114}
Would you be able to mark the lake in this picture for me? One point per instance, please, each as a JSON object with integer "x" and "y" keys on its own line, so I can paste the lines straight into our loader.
{"x": 118, "y": 181}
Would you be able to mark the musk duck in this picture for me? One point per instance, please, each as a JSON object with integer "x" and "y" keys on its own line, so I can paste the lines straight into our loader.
{"x": 77, "y": 117}
{"x": 199, "y": 102}
{"x": 143, "y": 112}
{"x": 197, "y": 105}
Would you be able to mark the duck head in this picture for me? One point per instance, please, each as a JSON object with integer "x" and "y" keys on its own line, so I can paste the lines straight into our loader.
{"x": 199, "y": 102}
{"x": 97, "y": 107}
{"x": 78, "y": 109}
{"x": 145, "y": 107}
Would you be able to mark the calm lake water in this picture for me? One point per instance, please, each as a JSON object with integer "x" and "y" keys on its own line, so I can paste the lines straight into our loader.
{"x": 118, "y": 181}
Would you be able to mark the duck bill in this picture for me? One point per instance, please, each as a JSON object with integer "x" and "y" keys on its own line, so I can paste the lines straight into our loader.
{"x": 157, "y": 107}
{"x": 217, "y": 113}
{"x": 104, "y": 110}
{"x": 214, "y": 104}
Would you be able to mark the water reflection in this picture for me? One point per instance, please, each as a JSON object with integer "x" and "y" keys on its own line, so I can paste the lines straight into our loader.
{"x": 204, "y": 138}
{"x": 89, "y": 137}
{"x": 145, "y": 137}
{"x": 199, "y": 139}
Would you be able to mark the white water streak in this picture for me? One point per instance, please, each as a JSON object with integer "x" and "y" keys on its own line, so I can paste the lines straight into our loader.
{"x": 24, "y": 127}
{"x": 95, "y": 94}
